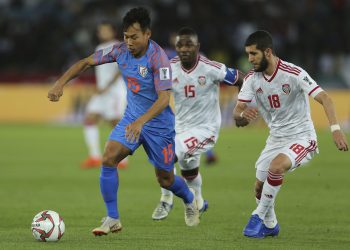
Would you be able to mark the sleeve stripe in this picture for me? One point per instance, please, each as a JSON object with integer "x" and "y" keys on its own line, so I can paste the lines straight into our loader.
{"x": 313, "y": 90}
{"x": 241, "y": 100}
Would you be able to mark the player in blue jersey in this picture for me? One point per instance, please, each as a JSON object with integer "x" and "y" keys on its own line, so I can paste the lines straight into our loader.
{"x": 148, "y": 119}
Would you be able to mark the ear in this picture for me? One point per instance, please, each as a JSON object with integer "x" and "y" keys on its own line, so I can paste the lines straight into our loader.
{"x": 268, "y": 52}
{"x": 148, "y": 33}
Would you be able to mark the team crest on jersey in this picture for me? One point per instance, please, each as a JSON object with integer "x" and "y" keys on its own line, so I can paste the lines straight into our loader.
{"x": 286, "y": 88}
{"x": 202, "y": 80}
{"x": 142, "y": 71}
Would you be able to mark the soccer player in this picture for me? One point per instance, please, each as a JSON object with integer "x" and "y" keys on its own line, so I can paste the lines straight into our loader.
{"x": 281, "y": 90}
{"x": 109, "y": 102}
{"x": 148, "y": 119}
{"x": 196, "y": 82}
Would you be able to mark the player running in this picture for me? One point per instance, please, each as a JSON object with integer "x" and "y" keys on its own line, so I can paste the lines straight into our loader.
{"x": 282, "y": 92}
{"x": 108, "y": 103}
{"x": 148, "y": 119}
{"x": 196, "y": 82}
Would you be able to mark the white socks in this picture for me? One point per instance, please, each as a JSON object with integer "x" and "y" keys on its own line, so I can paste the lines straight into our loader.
{"x": 270, "y": 220}
{"x": 196, "y": 185}
{"x": 92, "y": 140}
{"x": 267, "y": 200}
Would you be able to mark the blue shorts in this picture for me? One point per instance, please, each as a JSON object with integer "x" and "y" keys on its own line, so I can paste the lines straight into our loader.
{"x": 159, "y": 146}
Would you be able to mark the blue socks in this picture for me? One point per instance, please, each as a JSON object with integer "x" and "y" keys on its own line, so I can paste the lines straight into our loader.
{"x": 109, "y": 188}
{"x": 180, "y": 189}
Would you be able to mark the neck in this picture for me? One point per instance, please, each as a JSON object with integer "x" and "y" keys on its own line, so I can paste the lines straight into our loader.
{"x": 142, "y": 52}
{"x": 272, "y": 66}
{"x": 189, "y": 65}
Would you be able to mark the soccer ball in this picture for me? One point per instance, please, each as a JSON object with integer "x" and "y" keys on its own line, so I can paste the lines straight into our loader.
{"x": 48, "y": 226}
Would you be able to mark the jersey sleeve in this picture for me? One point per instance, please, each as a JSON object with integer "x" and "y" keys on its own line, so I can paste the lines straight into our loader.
{"x": 224, "y": 74}
{"x": 107, "y": 55}
{"x": 161, "y": 70}
{"x": 308, "y": 85}
{"x": 247, "y": 93}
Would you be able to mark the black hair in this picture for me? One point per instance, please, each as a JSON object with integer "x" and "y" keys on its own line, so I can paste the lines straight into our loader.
{"x": 137, "y": 15}
{"x": 187, "y": 31}
{"x": 261, "y": 38}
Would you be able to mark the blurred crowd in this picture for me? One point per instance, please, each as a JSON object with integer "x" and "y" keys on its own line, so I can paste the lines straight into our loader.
{"x": 47, "y": 36}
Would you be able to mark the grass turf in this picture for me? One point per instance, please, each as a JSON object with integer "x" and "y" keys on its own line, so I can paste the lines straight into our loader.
{"x": 39, "y": 169}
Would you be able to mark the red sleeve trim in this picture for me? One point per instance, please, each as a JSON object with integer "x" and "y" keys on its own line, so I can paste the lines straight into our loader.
{"x": 241, "y": 100}
{"x": 313, "y": 90}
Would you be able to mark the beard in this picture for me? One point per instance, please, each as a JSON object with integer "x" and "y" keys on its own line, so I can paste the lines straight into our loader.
{"x": 263, "y": 65}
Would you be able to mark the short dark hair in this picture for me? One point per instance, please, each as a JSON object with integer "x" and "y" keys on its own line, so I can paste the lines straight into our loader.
{"x": 187, "y": 31}
{"x": 261, "y": 38}
{"x": 137, "y": 15}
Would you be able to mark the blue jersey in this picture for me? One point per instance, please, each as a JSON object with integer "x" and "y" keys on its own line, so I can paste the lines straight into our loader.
{"x": 144, "y": 77}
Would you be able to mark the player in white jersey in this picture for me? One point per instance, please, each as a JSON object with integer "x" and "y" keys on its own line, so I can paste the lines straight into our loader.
{"x": 196, "y": 82}
{"x": 281, "y": 91}
{"x": 108, "y": 103}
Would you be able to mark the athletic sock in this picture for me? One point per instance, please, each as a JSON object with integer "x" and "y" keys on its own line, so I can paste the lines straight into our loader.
{"x": 180, "y": 189}
{"x": 109, "y": 188}
{"x": 92, "y": 140}
{"x": 196, "y": 185}
{"x": 268, "y": 195}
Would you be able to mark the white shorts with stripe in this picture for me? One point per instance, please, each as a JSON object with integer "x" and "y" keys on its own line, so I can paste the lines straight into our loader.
{"x": 299, "y": 151}
{"x": 189, "y": 146}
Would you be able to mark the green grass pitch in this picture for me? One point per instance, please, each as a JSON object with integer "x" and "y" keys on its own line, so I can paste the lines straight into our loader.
{"x": 39, "y": 169}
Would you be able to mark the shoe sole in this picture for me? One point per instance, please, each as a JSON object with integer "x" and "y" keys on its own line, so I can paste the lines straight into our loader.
{"x": 101, "y": 233}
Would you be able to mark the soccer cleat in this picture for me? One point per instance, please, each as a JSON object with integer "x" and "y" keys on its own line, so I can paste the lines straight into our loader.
{"x": 108, "y": 225}
{"x": 161, "y": 211}
{"x": 265, "y": 231}
{"x": 192, "y": 213}
{"x": 91, "y": 162}
{"x": 254, "y": 227}
{"x": 204, "y": 208}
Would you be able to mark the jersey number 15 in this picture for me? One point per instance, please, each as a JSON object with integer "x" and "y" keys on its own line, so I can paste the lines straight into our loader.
{"x": 190, "y": 91}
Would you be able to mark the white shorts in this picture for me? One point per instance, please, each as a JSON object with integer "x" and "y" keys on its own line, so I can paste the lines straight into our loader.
{"x": 299, "y": 151}
{"x": 109, "y": 105}
{"x": 189, "y": 146}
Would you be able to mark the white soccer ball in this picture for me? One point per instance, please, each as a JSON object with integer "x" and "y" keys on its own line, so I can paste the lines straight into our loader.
{"x": 48, "y": 226}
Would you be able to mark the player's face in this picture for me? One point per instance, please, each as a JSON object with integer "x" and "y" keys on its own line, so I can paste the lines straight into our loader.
{"x": 187, "y": 48}
{"x": 257, "y": 58}
{"x": 136, "y": 39}
{"x": 105, "y": 33}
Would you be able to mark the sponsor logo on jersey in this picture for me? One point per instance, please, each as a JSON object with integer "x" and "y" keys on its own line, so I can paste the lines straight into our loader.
{"x": 202, "y": 80}
{"x": 164, "y": 73}
{"x": 143, "y": 71}
{"x": 306, "y": 79}
{"x": 259, "y": 91}
{"x": 286, "y": 88}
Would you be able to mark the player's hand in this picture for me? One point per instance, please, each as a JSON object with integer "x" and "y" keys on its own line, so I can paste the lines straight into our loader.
{"x": 250, "y": 114}
{"x": 340, "y": 140}
{"x": 55, "y": 93}
{"x": 133, "y": 131}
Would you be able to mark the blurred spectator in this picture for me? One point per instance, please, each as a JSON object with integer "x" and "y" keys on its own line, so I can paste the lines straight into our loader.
{"x": 314, "y": 34}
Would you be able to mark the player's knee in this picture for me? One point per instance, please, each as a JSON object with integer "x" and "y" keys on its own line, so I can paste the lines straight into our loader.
{"x": 90, "y": 120}
{"x": 280, "y": 164}
{"x": 165, "y": 181}
{"x": 190, "y": 174}
{"x": 109, "y": 158}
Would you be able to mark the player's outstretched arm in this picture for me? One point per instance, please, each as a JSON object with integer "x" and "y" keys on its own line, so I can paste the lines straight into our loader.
{"x": 338, "y": 136}
{"x": 242, "y": 114}
{"x": 75, "y": 70}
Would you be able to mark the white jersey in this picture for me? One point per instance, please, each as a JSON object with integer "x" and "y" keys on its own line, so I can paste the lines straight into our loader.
{"x": 282, "y": 99}
{"x": 105, "y": 72}
{"x": 196, "y": 94}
